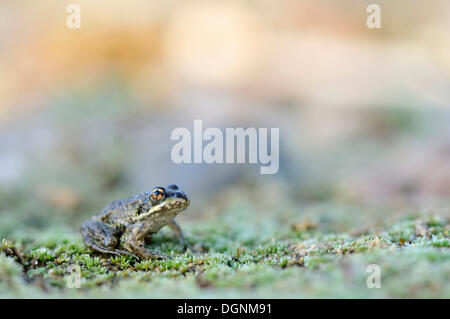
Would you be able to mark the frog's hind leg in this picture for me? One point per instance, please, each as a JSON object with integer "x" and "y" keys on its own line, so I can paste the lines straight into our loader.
{"x": 102, "y": 238}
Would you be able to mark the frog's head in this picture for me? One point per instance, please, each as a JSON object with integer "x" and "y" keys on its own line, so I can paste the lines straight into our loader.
{"x": 170, "y": 200}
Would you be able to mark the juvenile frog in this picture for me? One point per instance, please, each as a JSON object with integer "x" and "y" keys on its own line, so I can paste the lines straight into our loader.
{"x": 124, "y": 226}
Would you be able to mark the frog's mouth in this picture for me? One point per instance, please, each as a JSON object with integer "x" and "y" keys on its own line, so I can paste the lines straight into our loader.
{"x": 173, "y": 205}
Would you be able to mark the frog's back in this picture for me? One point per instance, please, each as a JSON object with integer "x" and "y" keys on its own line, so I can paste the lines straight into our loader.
{"x": 123, "y": 208}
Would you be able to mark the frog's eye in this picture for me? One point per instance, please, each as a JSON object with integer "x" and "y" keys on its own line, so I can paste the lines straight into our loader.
{"x": 157, "y": 194}
{"x": 173, "y": 187}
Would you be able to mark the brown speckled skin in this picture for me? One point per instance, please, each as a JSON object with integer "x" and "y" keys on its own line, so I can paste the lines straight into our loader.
{"x": 123, "y": 226}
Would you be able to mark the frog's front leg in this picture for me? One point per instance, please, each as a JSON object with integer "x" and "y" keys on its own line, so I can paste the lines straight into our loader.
{"x": 176, "y": 229}
{"x": 134, "y": 242}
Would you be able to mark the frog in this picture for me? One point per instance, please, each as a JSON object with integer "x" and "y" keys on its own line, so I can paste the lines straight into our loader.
{"x": 125, "y": 226}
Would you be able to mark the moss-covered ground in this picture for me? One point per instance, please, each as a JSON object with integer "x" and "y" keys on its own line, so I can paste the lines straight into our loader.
{"x": 320, "y": 250}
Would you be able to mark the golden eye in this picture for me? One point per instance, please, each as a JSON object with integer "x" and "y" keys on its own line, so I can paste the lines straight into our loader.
{"x": 157, "y": 194}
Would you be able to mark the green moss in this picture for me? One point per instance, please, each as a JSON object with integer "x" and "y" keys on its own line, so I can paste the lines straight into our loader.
{"x": 8, "y": 268}
{"x": 413, "y": 256}
{"x": 42, "y": 254}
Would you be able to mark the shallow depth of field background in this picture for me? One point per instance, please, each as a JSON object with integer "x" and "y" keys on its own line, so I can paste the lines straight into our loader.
{"x": 86, "y": 114}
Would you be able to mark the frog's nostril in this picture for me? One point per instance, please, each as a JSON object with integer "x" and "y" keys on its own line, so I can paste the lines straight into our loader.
{"x": 182, "y": 195}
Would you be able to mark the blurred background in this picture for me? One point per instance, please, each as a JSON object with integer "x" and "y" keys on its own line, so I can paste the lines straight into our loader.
{"x": 86, "y": 114}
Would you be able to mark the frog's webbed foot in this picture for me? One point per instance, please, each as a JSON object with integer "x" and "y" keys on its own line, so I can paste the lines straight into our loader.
{"x": 102, "y": 238}
{"x": 138, "y": 248}
{"x": 186, "y": 245}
